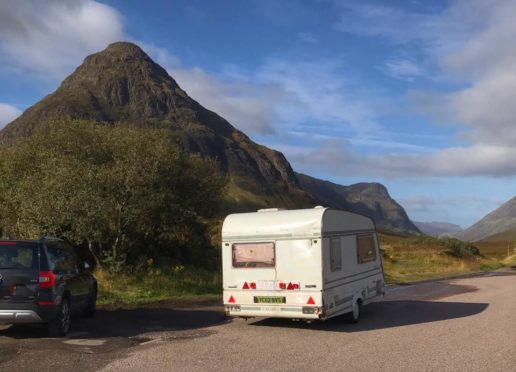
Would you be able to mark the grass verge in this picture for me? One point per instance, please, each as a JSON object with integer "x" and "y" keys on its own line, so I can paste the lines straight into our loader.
{"x": 405, "y": 260}
{"x": 408, "y": 260}
{"x": 156, "y": 284}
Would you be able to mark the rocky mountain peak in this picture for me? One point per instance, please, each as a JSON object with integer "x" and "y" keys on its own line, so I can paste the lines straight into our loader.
{"x": 123, "y": 84}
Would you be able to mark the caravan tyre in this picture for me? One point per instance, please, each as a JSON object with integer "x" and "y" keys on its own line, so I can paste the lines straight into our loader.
{"x": 354, "y": 315}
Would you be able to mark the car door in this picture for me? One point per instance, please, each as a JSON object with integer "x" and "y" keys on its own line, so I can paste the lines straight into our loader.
{"x": 66, "y": 266}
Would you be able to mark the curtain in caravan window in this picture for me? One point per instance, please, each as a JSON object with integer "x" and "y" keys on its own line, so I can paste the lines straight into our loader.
{"x": 335, "y": 254}
{"x": 365, "y": 248}
{"x": 253, "y": 255}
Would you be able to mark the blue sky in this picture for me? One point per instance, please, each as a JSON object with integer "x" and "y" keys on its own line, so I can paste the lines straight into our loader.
{"x": 417, "y": 95}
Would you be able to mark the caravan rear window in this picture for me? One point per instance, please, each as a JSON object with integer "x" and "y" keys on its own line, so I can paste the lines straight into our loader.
{"x": 254, "y": 255}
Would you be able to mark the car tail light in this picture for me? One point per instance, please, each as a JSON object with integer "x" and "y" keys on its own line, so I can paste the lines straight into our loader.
{"x": 282, "y": 285}
{"x": 47, "y": 279}
{"x": 7, "y": 243}
{"x": 46, "y": 303}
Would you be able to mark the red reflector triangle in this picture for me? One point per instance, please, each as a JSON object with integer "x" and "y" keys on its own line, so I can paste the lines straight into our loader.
{"x": 310, "y": 301}
{"x": 246, "y": 286}
{"x": 231, "y": 300}
{"x": 290, "y": 286}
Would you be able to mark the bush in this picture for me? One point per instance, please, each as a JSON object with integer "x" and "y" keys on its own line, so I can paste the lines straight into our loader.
{"x": 125, "y": 194}
{"x": 460, "y": 249}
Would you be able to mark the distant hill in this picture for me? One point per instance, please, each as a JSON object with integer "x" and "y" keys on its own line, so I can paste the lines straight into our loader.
{"x": 438, "y": 229}
{"x": 123, "y": 84}
{"x": 500, "y": 220}
{"x": 370, "y": 199}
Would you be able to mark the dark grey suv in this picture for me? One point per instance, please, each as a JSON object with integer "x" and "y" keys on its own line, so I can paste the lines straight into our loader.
{"x": 44, "y": 281}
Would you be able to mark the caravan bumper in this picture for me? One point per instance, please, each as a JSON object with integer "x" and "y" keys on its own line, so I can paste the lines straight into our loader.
{"x": 242, "y": 304}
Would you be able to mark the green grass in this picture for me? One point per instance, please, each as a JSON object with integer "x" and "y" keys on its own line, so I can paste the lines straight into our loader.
{"x": 405, "y": 260}
{"x": 414, "y": 259}
{"x": 156, "y": 284}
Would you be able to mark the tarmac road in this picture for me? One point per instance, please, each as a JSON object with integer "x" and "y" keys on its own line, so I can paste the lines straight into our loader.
{"x": 459, "y": 325}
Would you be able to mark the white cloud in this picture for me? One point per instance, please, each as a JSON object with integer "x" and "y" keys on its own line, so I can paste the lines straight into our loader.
{"x": 242, "y": 104}
{"x": 279, "y": 95}
{"x": 320, "y": 97}
{"x": 49, "y": 38}
{"x": 336, "y": 156}
{"x": 471, "y": 42}
{"x": 405, "y": 69}
{"x": 8, "y": 113}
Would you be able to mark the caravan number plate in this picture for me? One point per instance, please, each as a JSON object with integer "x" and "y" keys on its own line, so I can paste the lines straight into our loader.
{"x": 269, "y": 300}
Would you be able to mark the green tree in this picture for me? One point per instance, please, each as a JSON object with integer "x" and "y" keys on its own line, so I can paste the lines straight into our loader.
{"x": 127, "y": 193}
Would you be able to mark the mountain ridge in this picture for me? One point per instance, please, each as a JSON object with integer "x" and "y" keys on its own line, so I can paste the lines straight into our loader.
{"x": 370, "y": 199}
{"x": 438, "y": 229}
{"x": 500, "y": 220}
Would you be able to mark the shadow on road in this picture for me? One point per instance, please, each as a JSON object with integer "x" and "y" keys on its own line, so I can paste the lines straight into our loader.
{"x": 387, "y": 314}
{"x": 128, "y": 323}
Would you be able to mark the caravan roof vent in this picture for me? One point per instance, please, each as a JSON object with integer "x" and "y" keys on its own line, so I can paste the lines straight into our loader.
{"x": 271, "y": 210}
{"x": 318, "y": 207}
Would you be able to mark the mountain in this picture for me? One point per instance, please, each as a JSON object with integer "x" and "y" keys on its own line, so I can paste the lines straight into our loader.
{"x": 500, "y": 220}
{"x": 123, "y": 84}
{"x": 438, "y": 229}
{"x": 370, "y": 199}
{"x": 508, "y": 236}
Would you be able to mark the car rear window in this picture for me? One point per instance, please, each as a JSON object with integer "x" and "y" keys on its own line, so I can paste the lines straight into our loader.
{"x": 18, "y": 255}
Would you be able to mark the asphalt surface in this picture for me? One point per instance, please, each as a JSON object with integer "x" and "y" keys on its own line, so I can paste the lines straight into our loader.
{"x": 458, "y": 325}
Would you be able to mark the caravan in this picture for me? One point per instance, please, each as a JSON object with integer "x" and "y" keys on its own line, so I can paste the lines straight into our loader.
{"x": 301, "y": 264}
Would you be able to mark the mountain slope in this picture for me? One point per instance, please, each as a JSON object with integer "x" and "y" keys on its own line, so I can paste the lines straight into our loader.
{"x": 438, "y": 229}
{"x": 123, "y": 84}
{"x": 370, "y": 199}
{"x": 500, "y": 220}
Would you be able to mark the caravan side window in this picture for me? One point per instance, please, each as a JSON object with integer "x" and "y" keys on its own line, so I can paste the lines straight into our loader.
{"x": 366, "y": 250}
{"x": 335, "y": 254}
{"x": 254, "y": 255}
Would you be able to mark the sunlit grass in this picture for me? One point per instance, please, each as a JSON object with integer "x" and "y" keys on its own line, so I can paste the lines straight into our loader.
{"x": 414, "y": 259}
{"x": 404, "y": 260}
{"x": 156, "y": 284}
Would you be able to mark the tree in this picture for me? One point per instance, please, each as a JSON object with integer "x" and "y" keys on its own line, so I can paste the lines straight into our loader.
{"x": 128, "y": 193}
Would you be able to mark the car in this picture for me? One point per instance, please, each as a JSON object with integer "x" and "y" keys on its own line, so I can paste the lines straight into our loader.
{"x": 44, "y": 281}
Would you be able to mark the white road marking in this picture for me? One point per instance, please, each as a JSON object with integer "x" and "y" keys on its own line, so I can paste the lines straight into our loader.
{"x": 85, "y": 342}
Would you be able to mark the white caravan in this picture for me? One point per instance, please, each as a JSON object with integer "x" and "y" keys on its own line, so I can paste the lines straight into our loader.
{"x": 301, "y": 264}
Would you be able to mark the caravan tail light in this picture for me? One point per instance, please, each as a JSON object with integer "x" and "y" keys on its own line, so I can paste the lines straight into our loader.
{"x": 291, "y": 286}
{"x": 250, "y": 285}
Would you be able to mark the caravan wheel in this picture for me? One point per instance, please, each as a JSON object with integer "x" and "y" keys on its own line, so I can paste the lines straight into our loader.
{"x": 354, "y": 315}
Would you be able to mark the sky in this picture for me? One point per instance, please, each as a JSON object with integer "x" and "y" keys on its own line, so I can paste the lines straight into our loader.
{"x": 415, "y": 94}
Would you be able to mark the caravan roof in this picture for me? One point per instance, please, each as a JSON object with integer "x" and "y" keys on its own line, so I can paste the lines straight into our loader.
{"x": 290, "y": 224}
